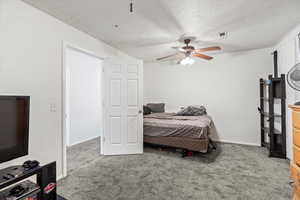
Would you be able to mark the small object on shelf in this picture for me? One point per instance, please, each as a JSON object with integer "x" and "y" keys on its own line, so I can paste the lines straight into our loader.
{"x": 11, "y": 173}
{"x": 268, "y": 82}
{"x": 7, "y": 176}
{"x": 30, "y": 164}
{"x": 190, "y": 153}
{"x": 17, "y": 191}
{"x": 267, "y": 130}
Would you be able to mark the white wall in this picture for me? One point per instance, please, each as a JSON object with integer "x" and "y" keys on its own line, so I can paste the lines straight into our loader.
{"x": 31, "y": 64}
{"x": 84, "y": 99}
{"x": 288, "y": 56}
{"x": 227, "y": 86}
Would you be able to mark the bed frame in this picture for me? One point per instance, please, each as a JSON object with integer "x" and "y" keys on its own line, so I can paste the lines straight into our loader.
{"x": 184, "y": 143}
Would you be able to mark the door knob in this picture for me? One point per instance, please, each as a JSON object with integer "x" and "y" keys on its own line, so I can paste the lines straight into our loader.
{"x": 140, "y": 112}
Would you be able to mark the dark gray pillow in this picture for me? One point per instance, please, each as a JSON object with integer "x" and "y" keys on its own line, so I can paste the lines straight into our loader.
{"x": 147, "y": 110}
{"x": 156, "y": 107}
{"x": 192, "y": 111}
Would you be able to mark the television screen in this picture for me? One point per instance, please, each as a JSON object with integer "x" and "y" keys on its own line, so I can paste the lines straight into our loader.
{"x": 14, "y": 127}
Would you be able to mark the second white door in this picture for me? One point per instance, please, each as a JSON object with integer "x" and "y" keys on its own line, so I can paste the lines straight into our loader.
{"x": 123, "y": 130}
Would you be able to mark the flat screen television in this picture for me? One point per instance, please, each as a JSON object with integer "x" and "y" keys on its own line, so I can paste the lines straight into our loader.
{"x": 14, "y": 127}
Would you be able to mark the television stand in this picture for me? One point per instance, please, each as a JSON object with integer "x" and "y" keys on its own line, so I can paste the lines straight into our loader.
{"x": 43, "y": 189}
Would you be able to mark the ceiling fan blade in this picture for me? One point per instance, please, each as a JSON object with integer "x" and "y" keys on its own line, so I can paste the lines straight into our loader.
{"x": 208, "y": 49}
{"x": 169, "y": 56}
{"x": 179, "y": 49}
{"x": 176, "y": 48}
{"x": 198, "y": 55}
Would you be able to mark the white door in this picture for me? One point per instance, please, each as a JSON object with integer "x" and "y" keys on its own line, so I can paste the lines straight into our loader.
{"x": 123, "y": 130}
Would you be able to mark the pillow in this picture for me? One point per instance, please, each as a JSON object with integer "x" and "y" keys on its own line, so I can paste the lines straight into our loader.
{"x": 156, "y": 107}
{"x": 184, "y": 112}
{"x": 147, "y": 110}
{"x": 192, "y": 111}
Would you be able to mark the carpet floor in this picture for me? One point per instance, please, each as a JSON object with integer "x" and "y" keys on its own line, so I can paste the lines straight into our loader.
{"x": 233, "y": 172}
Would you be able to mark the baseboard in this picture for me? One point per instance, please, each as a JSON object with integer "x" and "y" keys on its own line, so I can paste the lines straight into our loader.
{"x": 234, "y": 142}
{"x": 59, "y": 177}
{"x": 88, "y": 139}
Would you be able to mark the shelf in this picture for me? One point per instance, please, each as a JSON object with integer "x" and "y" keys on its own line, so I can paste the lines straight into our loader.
{"x": 266, "y": 114}
{"x": 267, "y": 130}
{"x": 278, "y": 79}
{"x": 25, "y": 174}
{"x": 277, "y": 154}
{"x": 273, "y": 153}
{"x": 266, "y": 144}
{"x": 265, "y": 98}
{"x": 45, "y": 178}
{"x": 32, "y": 189}
{"x": 265, "y": 83}
{"x": 272, "y": 93}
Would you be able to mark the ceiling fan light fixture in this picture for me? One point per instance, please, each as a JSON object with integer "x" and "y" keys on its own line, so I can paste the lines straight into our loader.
{"x": 187, "y": 61}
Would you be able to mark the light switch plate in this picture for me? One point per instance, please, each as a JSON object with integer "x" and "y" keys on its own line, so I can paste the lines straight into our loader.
{"x": 52, "y": 107}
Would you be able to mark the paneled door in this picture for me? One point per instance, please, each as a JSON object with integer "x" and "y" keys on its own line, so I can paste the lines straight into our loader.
{"x": 123, "y": 129}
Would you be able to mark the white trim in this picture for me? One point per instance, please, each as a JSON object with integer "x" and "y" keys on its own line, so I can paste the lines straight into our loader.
{"x": 236, "y": 142}
{"x": 59, "y": 177}
{"x": 86, "y": 140}
{"x": 65, "y": 46}
{"x": 102, "y": 139}
{"x": 77, "y": 48}
{"x": 288, "y": 36}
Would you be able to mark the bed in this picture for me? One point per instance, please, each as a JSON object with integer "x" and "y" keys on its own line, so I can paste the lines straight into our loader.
{"x": 185, "y": 132}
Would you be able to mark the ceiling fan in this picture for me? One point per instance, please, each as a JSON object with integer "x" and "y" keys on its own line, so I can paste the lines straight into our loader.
{"x": 187, "y": 52}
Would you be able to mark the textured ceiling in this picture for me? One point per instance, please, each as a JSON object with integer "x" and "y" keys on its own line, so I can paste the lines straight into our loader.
{"x": 155, "y": 25}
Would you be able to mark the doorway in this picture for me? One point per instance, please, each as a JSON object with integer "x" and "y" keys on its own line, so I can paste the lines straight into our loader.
{"x": 83, "y": 110}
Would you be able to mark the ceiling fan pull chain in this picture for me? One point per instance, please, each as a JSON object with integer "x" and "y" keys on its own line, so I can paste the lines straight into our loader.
{"x": 131, "y": 6}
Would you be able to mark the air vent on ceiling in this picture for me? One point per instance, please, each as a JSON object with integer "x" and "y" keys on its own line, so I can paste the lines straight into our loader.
{"x": 223, "y": 35}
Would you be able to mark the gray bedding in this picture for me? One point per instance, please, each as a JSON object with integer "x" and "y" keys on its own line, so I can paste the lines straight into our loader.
{"x": 170, "y": 125}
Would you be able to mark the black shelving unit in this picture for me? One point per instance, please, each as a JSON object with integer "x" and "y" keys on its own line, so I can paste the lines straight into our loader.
{"x": 43, "y": 189}
{"x": 271, "y": 90}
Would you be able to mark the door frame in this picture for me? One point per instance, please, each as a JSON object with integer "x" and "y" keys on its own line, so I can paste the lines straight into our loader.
{"x": 65, "y": 46}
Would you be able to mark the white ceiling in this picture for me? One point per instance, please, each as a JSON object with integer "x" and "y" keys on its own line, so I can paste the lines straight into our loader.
{"x": 155, "y": 25}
